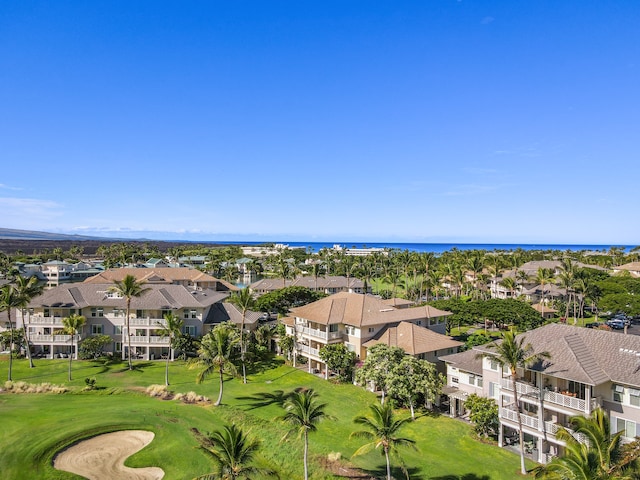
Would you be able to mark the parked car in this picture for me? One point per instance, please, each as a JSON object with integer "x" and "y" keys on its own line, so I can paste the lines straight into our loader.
{"x": 616, "y": 324}
{"x": 594, "y": 325}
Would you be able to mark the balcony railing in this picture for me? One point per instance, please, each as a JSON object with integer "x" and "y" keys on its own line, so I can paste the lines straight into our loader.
{"x": 149, "y": 339}
{"x": 49, "y": 338}
{"x": 309, "y": 350}
{"x": 38, "y": 320}
{"x": 552, "y": 428}
{"x": 550, "y": 397}
{"x": 527, "y": 420}
{"x": 312, "y": 332}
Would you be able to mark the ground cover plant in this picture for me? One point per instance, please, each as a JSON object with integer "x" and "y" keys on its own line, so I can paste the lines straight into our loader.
{"x": 36, "y": 426}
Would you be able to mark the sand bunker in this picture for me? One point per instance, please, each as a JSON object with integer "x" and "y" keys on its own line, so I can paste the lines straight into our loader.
{"x": 102, "y": 457}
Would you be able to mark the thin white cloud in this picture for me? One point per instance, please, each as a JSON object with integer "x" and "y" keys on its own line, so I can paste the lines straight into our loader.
{"x": 28, "y": 208}
{"x": 9, "y": 187}
{"x": 463, "y": 190}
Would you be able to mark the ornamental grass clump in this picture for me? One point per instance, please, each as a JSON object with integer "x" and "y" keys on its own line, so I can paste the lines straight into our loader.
{"x": 24, "y": 387}
{"x": 159, "y": 391}
{"x": 191, "y": 397}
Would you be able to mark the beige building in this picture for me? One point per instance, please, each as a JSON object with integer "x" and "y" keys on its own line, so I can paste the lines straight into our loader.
{"x": 587, "y": 369}
{"x": 355, "y": 319}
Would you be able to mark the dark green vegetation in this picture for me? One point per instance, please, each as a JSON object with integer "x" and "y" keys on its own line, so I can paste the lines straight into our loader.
{"x": 36, "y": 426}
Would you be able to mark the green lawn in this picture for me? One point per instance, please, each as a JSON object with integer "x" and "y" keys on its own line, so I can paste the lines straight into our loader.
{"x": 35, "y": 426}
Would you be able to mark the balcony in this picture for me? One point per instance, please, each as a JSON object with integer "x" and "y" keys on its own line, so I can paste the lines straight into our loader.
{"x": 527, "y": 420}
{"x": 322, "y": 334}
{"x": 50, "y": 338}
{"x": 38, "y": 320}
{"x": 555, "y": 398}
{"x": 151, "y": 339}
{"x": 552, "y": 428}
{"x": 309, "y": 350}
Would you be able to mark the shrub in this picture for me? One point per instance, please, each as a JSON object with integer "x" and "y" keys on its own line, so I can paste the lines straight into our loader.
{"x": 159, "y": 391}
{"x": 24, "y": 387}
{"x": 191, "y": 397}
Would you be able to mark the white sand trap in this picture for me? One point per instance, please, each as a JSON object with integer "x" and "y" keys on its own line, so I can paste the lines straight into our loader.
{"x": 102, "y": 457}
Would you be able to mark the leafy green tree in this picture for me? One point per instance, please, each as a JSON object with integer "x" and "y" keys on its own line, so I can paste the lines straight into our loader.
{"x": 303, "y": 413}
{"x": 10, "y": 299}
{"x": 91, "y": 347}
{"x": 382, "y": 429}
{"x": 513, "y": 353}
{"x": 287, "y": 345}
{"x": 244, "y": 301}
{"x": 412, "y": 378}
{"x": 171, "y": 329}
{"x": 129, "y": 287}
{"x": 483, "y": 413}
{"x": 285, "y": 298}
{"x": 72, "y": 326}
{"x": 185, "y": 344}
{"x": 27, "y": 289}
{"x": 233, "y": 453}
{"x": 603, "y": 457}
{"x": 217, "y": 352}
{"x": 340, "y": 359}
{"x": 376, "y": 368}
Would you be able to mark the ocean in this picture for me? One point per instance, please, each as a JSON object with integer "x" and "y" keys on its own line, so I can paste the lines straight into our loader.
{"x": 443, "y": 247}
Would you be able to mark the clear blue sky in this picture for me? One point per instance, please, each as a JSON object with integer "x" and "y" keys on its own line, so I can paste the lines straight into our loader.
{"x": 434, "y": 121}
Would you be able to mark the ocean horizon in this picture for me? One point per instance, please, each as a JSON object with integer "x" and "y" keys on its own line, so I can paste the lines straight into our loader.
{"x": 441, "y": 247}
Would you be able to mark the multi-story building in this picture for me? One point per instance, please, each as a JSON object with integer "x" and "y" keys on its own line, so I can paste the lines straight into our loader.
{"x": 586, "y": 369}
{"x": 105, "y": 312}
{"x": 328, "y": 284}
{"x": 355, "y": 319}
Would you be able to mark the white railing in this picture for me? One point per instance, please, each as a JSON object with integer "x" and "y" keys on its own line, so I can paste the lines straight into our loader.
{"x": 312, "y": 332}
{"x": 49, "y": 338}
{"x": 552, "y": 397}
{"x": 149, "y": 339}
{"x": 512, "y": 415}
{"x": 309, "y": 350}
{"x": 38, "y": 320}
{"x": 552, "y": 428}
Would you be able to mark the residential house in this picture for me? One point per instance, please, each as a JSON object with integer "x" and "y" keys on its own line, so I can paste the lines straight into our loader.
{"x": 56, "y": 272}
{"x": 105, "y": 312}
{"x": 326, "y": 284}
{"x": 633, "y": 268}
{"x": 187, "y": 277}
{"x": 587, "y": 369}
{"x": 353, "y": 319}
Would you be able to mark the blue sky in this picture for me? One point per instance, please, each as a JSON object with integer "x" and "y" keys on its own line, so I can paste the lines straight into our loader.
{"x": 433, "y": 121}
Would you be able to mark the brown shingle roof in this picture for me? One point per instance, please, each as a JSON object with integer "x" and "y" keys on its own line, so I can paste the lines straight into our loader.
{"x": 584, "y": 355}
{"x": 157, "y": 275}
{"x": 361, "y": 310}
{"x": 412, "y": 338}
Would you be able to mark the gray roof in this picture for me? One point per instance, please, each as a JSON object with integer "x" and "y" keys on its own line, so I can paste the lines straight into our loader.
{"x": 159, "y": 296}
{"x": 467, "y": 361}
{"x": 225, "y": 312}
{"x": 308, "y": 282}
{"x": 584, "y": 355}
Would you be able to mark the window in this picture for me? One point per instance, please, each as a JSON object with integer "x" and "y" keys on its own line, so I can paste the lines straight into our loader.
{"x": 454, "y": 379}
{"x": 350, "y": 330}
{"x": 472, "y": 379}
{"x": 97, "y": 312}
{"x": 139, "y": 313}
{"x": 480, "y": 382}
{"x": 618, "y": 393}
{"x": 117, "y": 329}
{"x": 493, "y": 364}
{"x": 118, "y": 346}
{"x": 629, "y": 427}
{"x": 47, "y": 312}
{"x": 419, "y": 322}
{"x": 333, "y": 327}
{"x": 96, "y": 329}
{"x": 190, "y": 330}
{"x": 493, "y": 390}
{"x": 350, "y": 347}
{"x": 371, "y": 330}
{"x": 113, "y": 295}
{"x": 634, "y": 397}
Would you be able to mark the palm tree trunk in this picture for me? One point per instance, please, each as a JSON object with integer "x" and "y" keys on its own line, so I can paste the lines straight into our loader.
{"x": 306, "y": 454}
{"x": 166, "y": 368}
{"x": 129, "y": 333}
{"x": 242, "y": 348}
{"x": 523, "y": 468}
{"x": 10, "y": 342}
{"x": 70, "y": 357}
{"x": 26, "y": 339}
{"x": 386, "y": 456}
{"x": 221, "y": 388}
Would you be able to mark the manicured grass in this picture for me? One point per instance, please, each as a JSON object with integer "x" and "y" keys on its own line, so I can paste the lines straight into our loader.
{"x": 36, "y": 426}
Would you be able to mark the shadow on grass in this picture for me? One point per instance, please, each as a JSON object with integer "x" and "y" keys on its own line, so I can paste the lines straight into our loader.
{"x": 135, "y": 367}
{"x": 397, "y": 472}
{"x": 262, "y": 366}
{"x": 466, "y": 476}
{"x": 264, "y": 399}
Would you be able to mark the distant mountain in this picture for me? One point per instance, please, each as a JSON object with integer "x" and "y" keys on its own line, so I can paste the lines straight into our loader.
{"x": 12, "y": 234}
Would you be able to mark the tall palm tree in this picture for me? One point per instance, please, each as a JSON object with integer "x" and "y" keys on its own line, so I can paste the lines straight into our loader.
{"x": 543, "y": 276}
{"x": 217, "y": 352}
{"x": 244, "y": 301}
{"x": 513, "y": 354}
{"x": 382, "y": 429}
{"x": 27, "y": 288}
{"x": 72, "y": 326}
{"x": 233, "y": 453}
{"x": 171, "y": 329}
{"x": 304, "y": 413}
{"x": 129, "y": 287}
{"x": 602, "y": 457}
{"x": 9, "y": 299}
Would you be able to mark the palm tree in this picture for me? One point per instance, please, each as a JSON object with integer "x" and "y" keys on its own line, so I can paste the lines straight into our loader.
{"x": 382, "y": 429}
{"x": 72, "y": 325}
{"x": 216, "y": 352}
{"x": 543, "y": 275}
{"x": 233, "y": 453}
{"x": 513, "y": 353}
{"x": 244, "y": 301}
{"x": 27, "y": 288}
{"x": 171, "y": 329}
{"x": 602, "y": 457}
{"x": 128, "y": 288}
{"x": 9, "y": 298}
{"x": 304, "y": 413}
